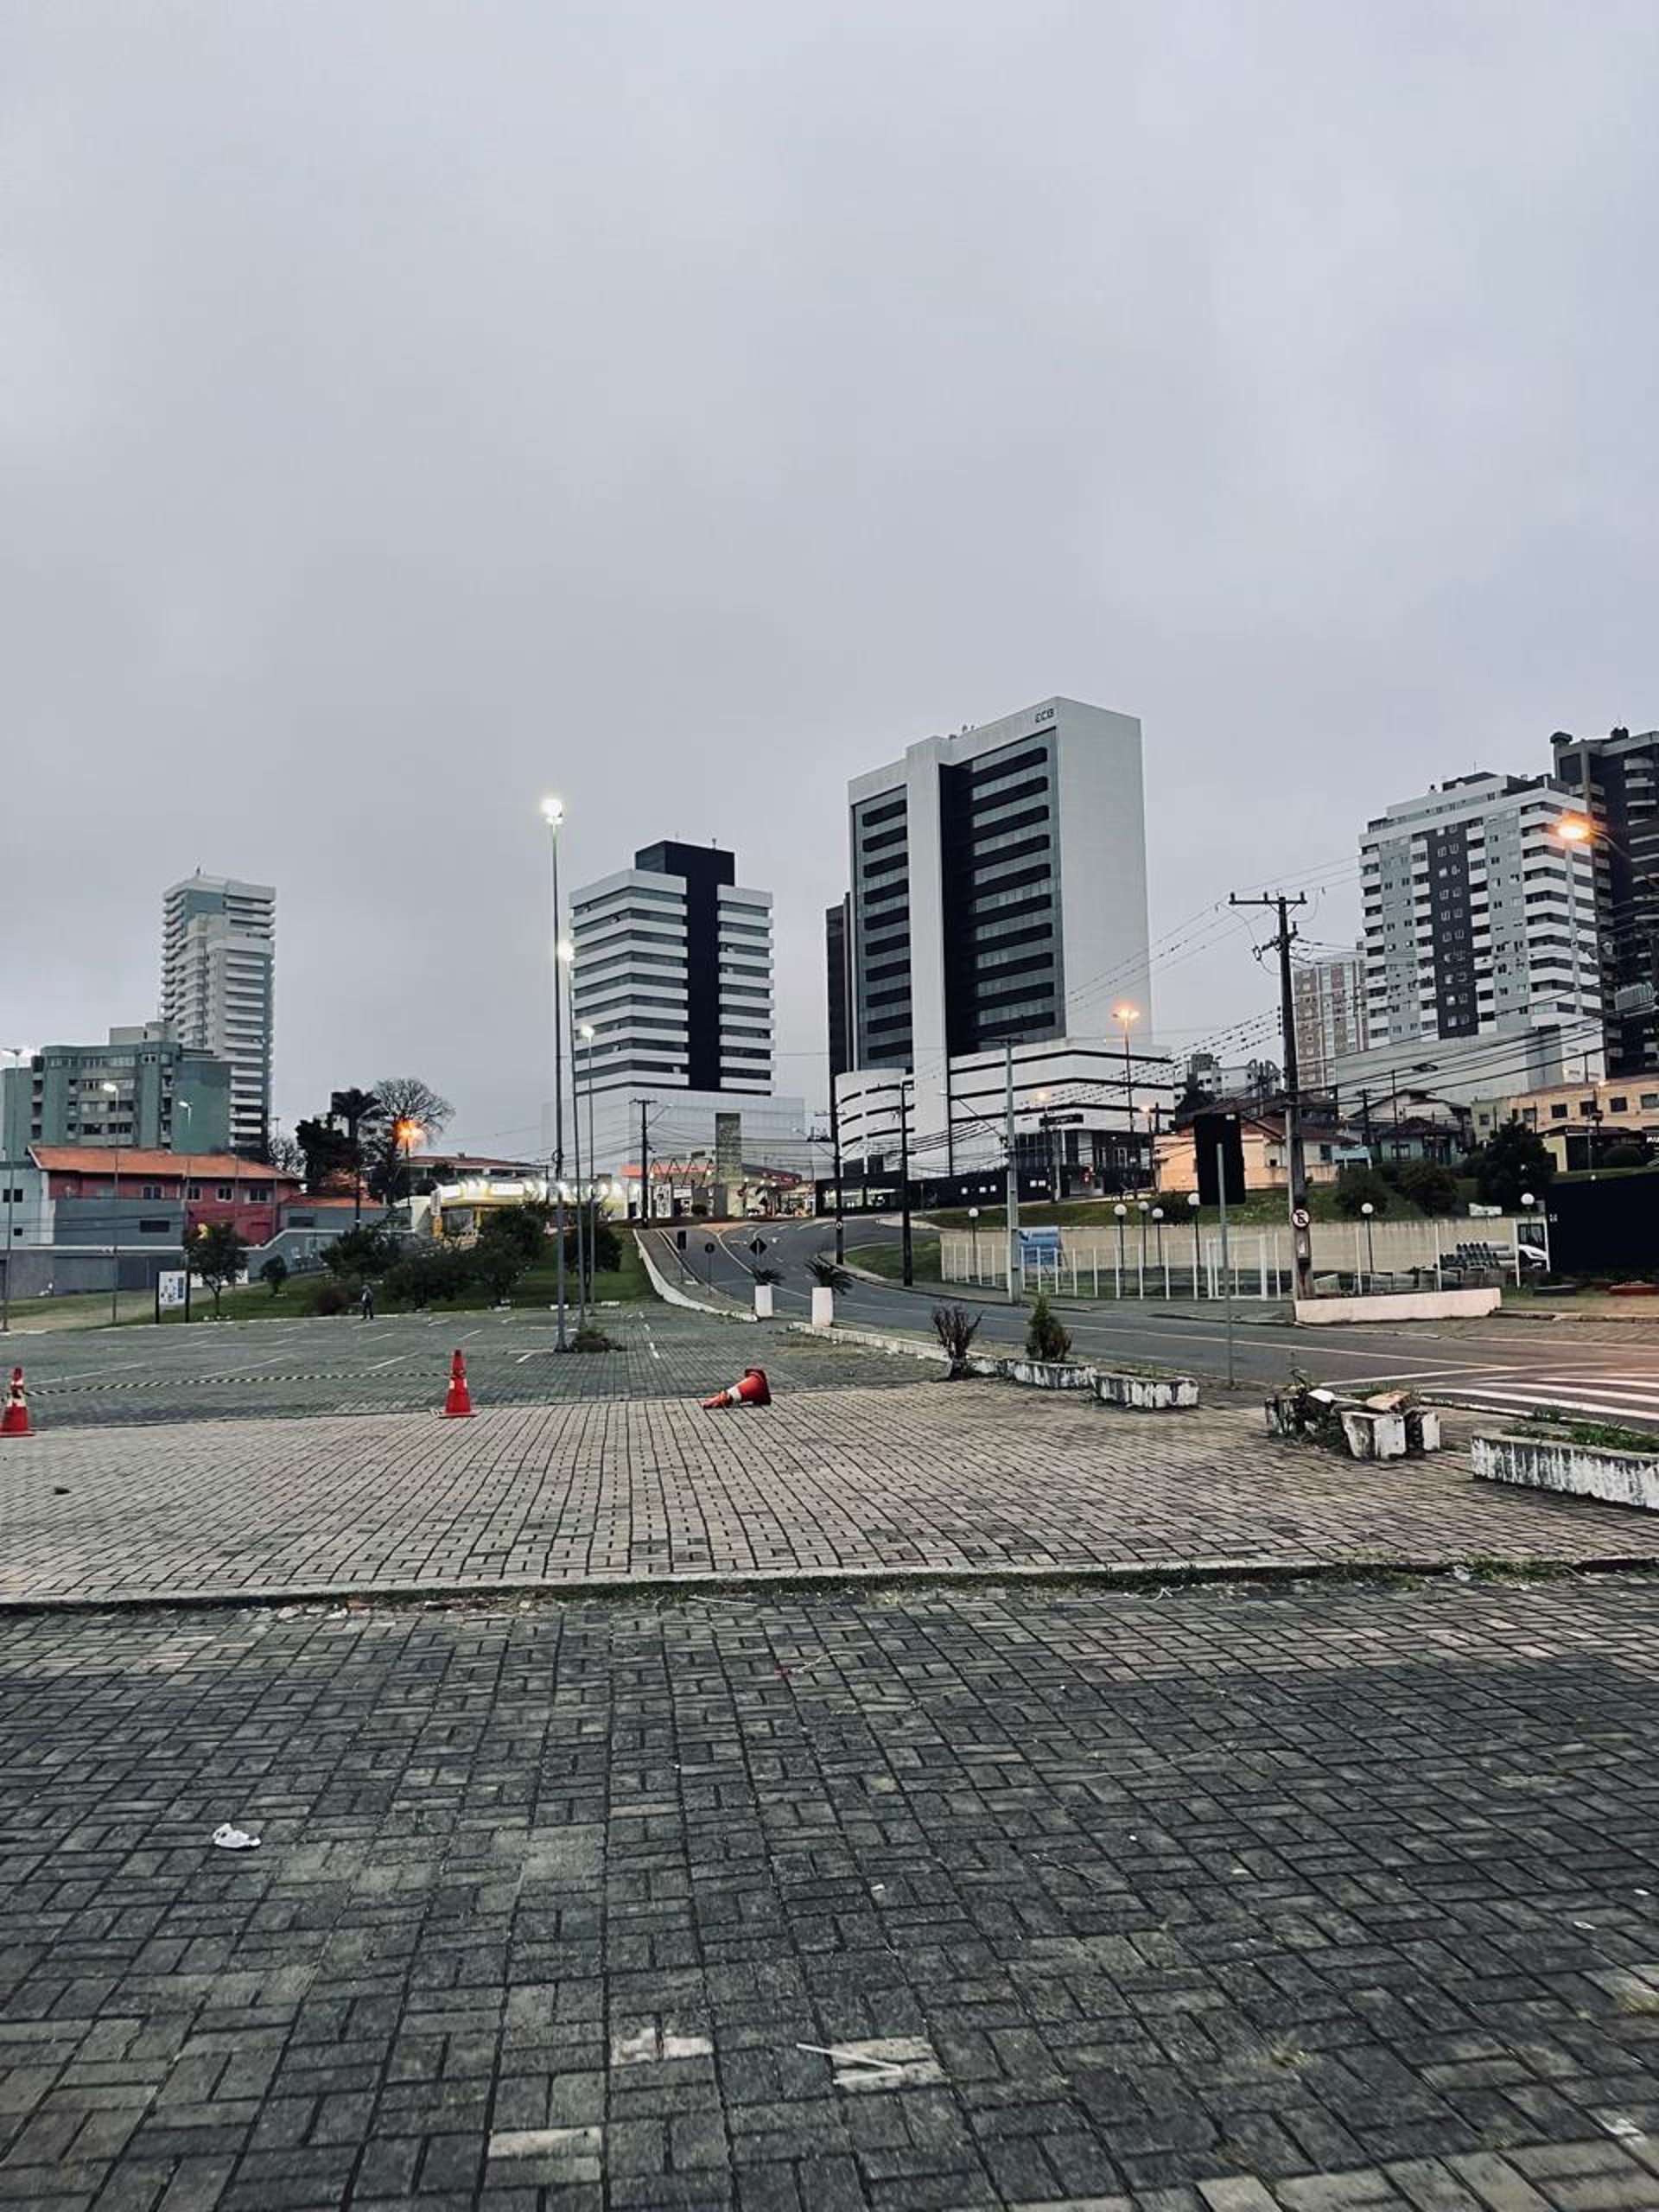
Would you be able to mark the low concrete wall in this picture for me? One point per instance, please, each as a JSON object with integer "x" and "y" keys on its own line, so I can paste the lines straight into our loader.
{"x": 1570, "y": 1469}
{"x": 908, "y": 1347}
{"x": 1398, "y": 1305}
{"x": 1146, "y": 1394}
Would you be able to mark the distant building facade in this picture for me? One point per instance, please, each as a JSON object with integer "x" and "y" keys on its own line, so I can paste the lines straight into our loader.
{"x": 672, "y": 991}
{"x": 218, "y": 952}
{"x": 1616, "y": 781}
{"x": 143, "y": 1087}
{"x": 1328, "y": 996}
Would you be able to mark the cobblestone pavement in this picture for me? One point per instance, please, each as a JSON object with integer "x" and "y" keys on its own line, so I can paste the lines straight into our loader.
{"x": 934, "y": 1478}
{"x": 287, "y": 1370}
{"x": 1336, "y": 1900}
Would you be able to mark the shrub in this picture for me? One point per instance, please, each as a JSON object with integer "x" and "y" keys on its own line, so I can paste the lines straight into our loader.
{"x": 331, "y": 1295}
{"x": 428, "y": 1274}
{"x": 1047, "y": 1336}
{"x": 591, "y": 1338}
{"x": 828, "y": 1273}
{"x": 1625, "y": 1152}
{"x": 274, "y": 1272}
{"x": 764, "y": 1273}
{"x": 1361, "y": 1187}
{"x": 1428, "y": 1185}
{"x": 955, "y": 1329}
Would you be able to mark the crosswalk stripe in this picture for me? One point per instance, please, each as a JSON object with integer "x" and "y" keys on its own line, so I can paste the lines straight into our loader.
{"x": 1566, "y": 1398}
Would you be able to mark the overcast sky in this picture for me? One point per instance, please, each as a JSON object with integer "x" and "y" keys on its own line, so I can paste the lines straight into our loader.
{"x": 406, "y": 409}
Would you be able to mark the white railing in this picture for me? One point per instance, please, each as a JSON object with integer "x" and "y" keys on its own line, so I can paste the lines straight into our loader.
{"x": 1171, "y": 1260}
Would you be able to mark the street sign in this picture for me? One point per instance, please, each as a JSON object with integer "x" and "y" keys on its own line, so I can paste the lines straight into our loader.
{"x": 1301, "y": 1218}
{"x": 170, "y": 1285}
{"x": 1062, "y": 1121}
{"x": 708, "y": 1247}
{"x": 757, "y": 1245}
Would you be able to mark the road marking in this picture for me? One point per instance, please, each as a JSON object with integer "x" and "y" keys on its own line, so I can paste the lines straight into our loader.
{"x": 394, "y": 1361}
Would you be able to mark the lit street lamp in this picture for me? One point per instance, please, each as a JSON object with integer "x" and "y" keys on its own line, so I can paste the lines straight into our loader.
{"x": 1570, "y": 832}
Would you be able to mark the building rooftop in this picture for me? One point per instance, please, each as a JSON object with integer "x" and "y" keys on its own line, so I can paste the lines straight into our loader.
{"x": 145, "y": 1159}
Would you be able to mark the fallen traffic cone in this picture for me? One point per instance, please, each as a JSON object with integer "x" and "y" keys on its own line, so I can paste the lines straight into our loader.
{"x": 752, "y": 1390}
{"x": 14, "y": 1420}
{"x": 458, "y": 1400}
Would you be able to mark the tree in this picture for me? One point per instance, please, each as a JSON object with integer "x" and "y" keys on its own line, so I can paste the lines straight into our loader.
{"x": 274, "y": 1272}
{"x": 428, "y": 1273}
{"x": 284, "y": 1153}
{"x": 1514, "y": 1159}
{"x": 405, "y": 1100}
{"x": 216, "y": 1256}
{"x": 1359, "y": 1187}
{"x": 365, "y": 1252}
{"x": 1427, "y": 1185}
{"x": 521, "y": 1228}
{"x": 327, "y": 1154}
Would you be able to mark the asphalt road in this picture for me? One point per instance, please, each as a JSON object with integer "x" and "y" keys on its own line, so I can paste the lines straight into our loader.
{"x": 1608, "y": 1373}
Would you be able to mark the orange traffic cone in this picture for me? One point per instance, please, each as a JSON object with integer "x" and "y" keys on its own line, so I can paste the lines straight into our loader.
{"x": 752, "y": 1390}
{"x": 14, "y": 1420}
{"x": 458, "y": 1400}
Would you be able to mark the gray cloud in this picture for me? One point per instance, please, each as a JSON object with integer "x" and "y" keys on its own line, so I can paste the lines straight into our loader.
{"x": 410, "y": 408}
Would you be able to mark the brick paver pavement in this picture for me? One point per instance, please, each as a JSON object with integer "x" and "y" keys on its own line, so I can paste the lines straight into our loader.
{"x": 934, "y": 1478}
{"x": 1329, "y": 1901}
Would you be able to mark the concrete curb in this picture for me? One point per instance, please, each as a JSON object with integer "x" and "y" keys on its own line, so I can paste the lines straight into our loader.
{"x": 671, "y": 1295}
{"x": 1128, "y": 1575}
{"x": 876, "y": 1339}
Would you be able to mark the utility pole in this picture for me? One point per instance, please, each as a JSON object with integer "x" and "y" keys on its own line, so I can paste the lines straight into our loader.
{"x": 1014, "y": 1170}
{"x": 1296, "y": 1175}
{"x": 645, "y": 1168}
{"x": 903, "y": 1177}
{"x": 835, "y": 1143}
{"x": 1365, "y": 1125}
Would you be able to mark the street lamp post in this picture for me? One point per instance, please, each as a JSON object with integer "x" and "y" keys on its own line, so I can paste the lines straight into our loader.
{"x": 567, "y": 957}
{"x": 112, "y": 1090}
{"x": 1122, "y": 1213}
{"x": 1126, "y": 1016}
{"x": 1163, "y": 1259}
{"x": 553, "y": 815}
{"x": 973, "y": 1235}
{"x": 1141, "y": 1280}
{"x": 1193, "y": 1202}
{"x": 12, "y": 1052}
{"x": 1367, "y": 1210}
{"x": 586, "y": 1034}
{"x": 1571, "y": 832}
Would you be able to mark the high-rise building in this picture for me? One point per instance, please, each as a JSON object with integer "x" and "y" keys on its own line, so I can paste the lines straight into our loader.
{"x": 999, "y": 897}
{"x": 1329, "y": 1000}
{"x": 218, "y": 987}
{"x": 838, "y": 983}
{"x": 673, "y": 978}
{"x": 142, "y": 1089}
{"x": 1480, "y": 924}
{"x": 1616, "y": 780}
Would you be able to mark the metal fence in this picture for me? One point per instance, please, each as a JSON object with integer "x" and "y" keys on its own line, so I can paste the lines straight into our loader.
{"x": 1143, "y": 1258}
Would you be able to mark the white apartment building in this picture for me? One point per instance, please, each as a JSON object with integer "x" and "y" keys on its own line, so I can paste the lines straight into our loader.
{"x": 1480, "y": 917}
{"x": 1328, "y": 997}
{"x": 218, "y": 951}
{"x": 999, "y": 897}
{"x": 672, "y": 991}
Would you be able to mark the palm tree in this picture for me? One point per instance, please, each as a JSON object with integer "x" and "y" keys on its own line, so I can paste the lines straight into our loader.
{"x": 355, "y": 1108}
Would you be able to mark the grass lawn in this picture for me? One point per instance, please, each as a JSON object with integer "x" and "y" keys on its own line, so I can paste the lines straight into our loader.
{"x": 537, "y": 1289}
{"x": 888, "y": 1261}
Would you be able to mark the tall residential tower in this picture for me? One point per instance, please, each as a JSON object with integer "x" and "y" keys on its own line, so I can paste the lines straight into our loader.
{"x": 218, "y": 949}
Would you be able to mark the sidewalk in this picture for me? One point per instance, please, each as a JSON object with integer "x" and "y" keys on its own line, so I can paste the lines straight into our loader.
{"x": 927, "y": 1481}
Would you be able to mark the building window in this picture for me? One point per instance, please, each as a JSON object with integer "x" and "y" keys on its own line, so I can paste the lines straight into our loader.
{"x": 193, "y": 1191}
{"x": 228, "y": 1190}
{"x": 1558, "y": 1113}
{"x": 1618, "y": 1105}
{"x": 152, "y": 1228}
{"x": 150, "y": 1190}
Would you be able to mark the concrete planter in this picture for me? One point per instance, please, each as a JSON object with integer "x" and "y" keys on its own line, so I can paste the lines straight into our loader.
{"x": 823, "y": 1309}
{"x": 1146, "y": 1394}
{"x": 1035, "y": 1373}
{"x": 1374, "y": 1436}
{"x": 763, "y": 1302}
{"x": 1569, "y": 1470}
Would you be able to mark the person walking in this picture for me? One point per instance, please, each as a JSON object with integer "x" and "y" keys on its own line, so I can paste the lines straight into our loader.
{"x": 365, "y": 1304}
